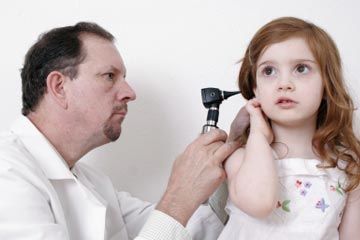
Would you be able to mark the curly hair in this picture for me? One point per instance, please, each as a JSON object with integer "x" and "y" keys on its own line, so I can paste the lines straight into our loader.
{"x": 334, "y": 140}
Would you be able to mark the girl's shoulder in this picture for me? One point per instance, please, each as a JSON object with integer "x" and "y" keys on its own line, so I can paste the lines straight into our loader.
{"x": 310, "y": 168}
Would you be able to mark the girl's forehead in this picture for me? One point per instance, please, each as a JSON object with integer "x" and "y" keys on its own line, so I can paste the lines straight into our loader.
{"x": 292, "y": 48}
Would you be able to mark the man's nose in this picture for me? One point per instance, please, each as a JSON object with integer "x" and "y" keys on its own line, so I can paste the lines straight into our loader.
{"x": 126, "y": 92}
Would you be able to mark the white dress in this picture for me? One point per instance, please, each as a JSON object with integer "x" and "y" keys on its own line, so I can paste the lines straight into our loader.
{"x": 310, "y": 206}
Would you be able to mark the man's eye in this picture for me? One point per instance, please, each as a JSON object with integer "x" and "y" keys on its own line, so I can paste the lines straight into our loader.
{"x": 302, "y": 68}
{"x": 268, "y": 71}
{"x": 110, "y": 76}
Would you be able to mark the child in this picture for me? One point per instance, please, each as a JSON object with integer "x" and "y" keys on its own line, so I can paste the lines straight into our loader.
{"x": 297, "y": 176}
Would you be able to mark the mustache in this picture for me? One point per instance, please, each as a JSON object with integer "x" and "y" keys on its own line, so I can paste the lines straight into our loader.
{"x": 120, "y": 108}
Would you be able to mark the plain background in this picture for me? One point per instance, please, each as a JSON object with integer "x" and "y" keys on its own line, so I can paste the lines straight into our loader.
{"x": 171, "y": 49}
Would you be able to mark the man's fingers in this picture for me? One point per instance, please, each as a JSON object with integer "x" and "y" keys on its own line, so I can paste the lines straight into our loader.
{"x": 224, "y": 151}
{"x": 213, "y": 147}
{"x": 239, "y": 125}
{"x": 214, "y": 135}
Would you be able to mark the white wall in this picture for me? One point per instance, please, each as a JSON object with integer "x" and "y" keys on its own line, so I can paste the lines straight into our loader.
{"x": 172, "y": 49}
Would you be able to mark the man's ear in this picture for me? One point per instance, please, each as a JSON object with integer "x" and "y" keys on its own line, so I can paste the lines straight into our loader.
{"x": 55, "y": 82}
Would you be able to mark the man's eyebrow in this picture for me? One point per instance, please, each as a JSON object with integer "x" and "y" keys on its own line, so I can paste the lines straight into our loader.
{"x": 117, "y": 70}
{"x": 112, "y": 68}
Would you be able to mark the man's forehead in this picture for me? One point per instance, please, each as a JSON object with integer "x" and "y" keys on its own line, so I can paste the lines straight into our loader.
{"x": 103, "y": 52}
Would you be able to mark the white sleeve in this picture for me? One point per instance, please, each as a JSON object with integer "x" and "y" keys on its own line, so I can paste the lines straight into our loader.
{"x": 135, "y": 212}
{"x": 161, "y": 226}
{"x": 154, "y": 225}
{"x": 204, "y": 224}
{"x": 25, "y": 212}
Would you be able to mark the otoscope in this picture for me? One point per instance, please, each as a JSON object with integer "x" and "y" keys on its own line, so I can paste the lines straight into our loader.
{"x": 212, "y": 98}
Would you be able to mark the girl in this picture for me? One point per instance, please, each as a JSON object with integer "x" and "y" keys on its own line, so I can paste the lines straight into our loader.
{"x": 297, "y": 176}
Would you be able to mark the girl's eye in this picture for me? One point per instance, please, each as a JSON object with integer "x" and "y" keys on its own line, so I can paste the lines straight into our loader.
{"x": 268, "y": 71}
{"x": 302, "y": 68}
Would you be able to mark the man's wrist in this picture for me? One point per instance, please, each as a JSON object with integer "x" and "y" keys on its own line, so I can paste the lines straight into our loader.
{"x": 171, "y": 205}
{"x": 161, "y": 226}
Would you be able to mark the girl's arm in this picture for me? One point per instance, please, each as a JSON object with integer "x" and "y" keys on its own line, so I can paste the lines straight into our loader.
{"x": 350, "y": 223}
{"x": 252, "y": 176}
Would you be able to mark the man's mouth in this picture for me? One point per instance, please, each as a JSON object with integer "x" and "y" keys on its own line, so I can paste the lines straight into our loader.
{"x": 120, "y": 110}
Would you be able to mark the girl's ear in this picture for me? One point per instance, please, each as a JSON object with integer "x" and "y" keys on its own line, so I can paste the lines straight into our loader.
{"x": 255, "y": 92}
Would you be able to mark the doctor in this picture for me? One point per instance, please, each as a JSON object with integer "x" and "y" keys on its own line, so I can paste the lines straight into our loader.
{"x": 75, "y": 98}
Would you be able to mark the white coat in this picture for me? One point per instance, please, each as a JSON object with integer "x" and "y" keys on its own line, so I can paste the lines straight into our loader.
{"x": 40, "y": 198}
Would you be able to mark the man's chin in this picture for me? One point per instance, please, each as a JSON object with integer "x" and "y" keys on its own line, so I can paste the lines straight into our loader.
{"x": 113, "y": 138}
{"x": 112, "y": 134}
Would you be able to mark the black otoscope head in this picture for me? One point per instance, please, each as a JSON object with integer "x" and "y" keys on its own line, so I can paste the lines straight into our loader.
{"x": 212, "y": 98}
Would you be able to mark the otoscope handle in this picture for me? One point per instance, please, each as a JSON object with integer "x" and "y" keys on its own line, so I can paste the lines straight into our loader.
{"x": 217, "y": 201}
{"x": 206, "y": 128}
{"x": 212, "y": 118}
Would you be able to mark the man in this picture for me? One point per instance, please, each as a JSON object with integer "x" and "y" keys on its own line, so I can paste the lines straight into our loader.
{"x": 74, "y": 99}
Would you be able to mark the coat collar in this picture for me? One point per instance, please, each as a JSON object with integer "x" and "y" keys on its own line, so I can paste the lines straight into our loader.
{"x": 44, "y": 153}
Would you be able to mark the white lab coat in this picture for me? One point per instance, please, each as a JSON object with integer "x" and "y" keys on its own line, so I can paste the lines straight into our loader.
{"x": 42, "y": 199}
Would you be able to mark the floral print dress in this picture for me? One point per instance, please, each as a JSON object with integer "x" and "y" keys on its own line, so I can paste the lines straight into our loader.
{"x": 310, "y": 206}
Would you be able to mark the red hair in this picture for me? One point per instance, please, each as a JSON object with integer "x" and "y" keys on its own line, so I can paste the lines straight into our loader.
{"x": 334, "y": 140}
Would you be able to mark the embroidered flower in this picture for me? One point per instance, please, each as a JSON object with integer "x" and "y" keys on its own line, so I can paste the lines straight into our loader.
{"x": 308, "y": 184}
{"x": 298, "y": 183}
{"x": 322, "y": 205}
{"x": 284, "y": 205}
{"x": 337, "y": 189}
{"x": 303, "y": 192}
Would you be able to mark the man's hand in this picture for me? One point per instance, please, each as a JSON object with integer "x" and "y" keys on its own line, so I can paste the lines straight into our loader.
{"x": 196, "y": 174}
{"x": 239, "y": 125}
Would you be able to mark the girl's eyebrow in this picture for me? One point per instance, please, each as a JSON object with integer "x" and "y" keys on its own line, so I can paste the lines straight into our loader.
{"x": 304, "y": 60}
{"x": 266, "y": 62}
{"x": 292, "y": 61}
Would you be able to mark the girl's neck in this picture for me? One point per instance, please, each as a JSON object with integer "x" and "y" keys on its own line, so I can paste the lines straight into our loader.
{"x": 294, "y": 141}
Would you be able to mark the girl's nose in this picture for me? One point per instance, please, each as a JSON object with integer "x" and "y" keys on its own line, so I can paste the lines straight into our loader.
{"x": 286, "y": 84}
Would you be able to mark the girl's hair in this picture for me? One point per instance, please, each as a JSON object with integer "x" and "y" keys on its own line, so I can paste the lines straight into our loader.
{"x": 334, "y": 140}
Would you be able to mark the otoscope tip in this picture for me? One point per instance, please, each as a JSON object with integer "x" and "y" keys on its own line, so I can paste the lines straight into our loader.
{"x": 229, "y": 94}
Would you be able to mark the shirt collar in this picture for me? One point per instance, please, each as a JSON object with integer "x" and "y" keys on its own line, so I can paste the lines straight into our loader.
{"x": 44, "y": 153}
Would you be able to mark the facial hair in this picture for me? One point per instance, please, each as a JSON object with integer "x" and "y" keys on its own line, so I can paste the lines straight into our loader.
{"x": 109, "y": 129}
